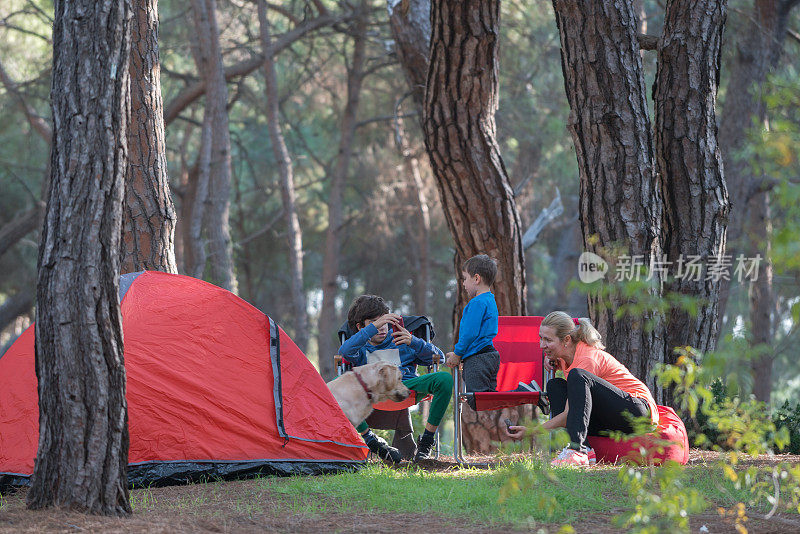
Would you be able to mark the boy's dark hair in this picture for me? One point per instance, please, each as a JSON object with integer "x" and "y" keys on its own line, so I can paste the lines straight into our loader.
{"x": 365, "y": 307}
{"x": 483, "y": 265}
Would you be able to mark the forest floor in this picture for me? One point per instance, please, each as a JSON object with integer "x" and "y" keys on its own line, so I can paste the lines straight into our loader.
{"x": 268, "y": 505}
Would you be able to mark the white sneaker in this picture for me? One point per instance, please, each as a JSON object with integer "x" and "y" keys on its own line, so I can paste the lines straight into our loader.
{"x": 571, "y": 458}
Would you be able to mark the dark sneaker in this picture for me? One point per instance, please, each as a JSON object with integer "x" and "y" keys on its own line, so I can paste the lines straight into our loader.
{"x": 424, "y": 447}
{"x": 386, "y": 453}
{"x": 544, "y": 404}
{"x": 532, "y": 387}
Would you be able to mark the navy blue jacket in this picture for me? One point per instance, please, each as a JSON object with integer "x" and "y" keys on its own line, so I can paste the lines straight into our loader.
{"x": 357, "y": 350}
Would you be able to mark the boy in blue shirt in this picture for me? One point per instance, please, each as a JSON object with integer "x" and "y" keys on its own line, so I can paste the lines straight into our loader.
{"x": 478, "y": 327}
{"x": 380, "y": 336}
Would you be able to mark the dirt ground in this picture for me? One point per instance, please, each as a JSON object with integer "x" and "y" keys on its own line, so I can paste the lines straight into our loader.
{"x": 245, "y": 506}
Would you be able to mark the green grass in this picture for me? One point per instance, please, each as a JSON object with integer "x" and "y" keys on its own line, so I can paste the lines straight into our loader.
{"x": 532, "y": 494}
{"x": 470, "y": 494}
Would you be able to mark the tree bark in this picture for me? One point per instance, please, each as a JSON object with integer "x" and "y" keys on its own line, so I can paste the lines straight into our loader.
{"x": 83, "y": 434}
{"x": 216, "y": 150}
{"x": 620, "y": 203}
{"x": 148, "y": 227}
{"x": 338, "y": 177}
{"x": 689, "y": 163}
{"x": 460, "y": 137}
{"x": 411, "y": 28}
{"x": 294, "y": 234}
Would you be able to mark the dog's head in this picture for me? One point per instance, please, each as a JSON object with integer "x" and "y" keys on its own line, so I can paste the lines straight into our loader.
{"x": 385, "y": 380}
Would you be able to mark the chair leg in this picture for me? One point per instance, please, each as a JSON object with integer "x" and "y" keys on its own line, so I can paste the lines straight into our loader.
{"x": 457, "y": 387}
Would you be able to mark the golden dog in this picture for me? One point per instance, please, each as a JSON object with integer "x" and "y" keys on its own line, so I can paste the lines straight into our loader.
{"x": 380, "y": 381}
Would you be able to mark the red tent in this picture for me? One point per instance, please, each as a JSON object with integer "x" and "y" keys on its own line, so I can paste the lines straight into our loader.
{"x": 215, "y": 389}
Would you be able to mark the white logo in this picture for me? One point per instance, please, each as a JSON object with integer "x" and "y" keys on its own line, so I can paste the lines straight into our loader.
{"x": 591, "y": 267}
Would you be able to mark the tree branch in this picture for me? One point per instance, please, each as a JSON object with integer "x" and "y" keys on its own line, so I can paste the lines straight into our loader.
{"x": 793, "y": 34}
{"x": 20, "y": 226}
{"x": 19, "y": 304}
{"x": 767, "y": 183}
{"x": 647, "y": 42}
{"x": 551, "y": 212}
{"x": 36, "y": 122}
{"x": 243, "y": 68}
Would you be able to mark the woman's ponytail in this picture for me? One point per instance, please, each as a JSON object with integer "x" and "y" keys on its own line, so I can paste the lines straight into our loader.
{"x": 564, "y": 326}
{"x": 588, "y": 334}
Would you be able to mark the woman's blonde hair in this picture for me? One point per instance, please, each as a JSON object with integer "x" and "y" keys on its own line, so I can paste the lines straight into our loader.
{"x": 564, "y": 326}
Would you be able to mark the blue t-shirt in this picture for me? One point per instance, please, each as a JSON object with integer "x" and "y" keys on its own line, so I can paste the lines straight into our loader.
{"x": 478, "y": 326}
{"x": 359, "y": 351}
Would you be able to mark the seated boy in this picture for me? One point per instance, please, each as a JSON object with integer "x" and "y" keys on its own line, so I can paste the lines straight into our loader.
{"x": 379, "y": 336}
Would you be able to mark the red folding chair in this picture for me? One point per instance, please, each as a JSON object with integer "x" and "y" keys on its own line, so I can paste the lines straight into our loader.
{"x": 521, "y": 360}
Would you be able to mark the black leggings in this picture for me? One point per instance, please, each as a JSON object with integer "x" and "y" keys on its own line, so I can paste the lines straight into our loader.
{"x": 594, "y": 405}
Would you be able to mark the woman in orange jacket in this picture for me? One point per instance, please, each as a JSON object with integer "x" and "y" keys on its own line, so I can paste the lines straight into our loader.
{"x": 596, "y": 392}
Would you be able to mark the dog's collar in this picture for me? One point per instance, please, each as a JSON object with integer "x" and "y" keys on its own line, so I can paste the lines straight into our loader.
{"x": 363, "y": 385}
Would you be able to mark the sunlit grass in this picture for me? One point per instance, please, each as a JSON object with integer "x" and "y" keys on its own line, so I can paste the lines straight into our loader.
{"x": 470, "y": 494}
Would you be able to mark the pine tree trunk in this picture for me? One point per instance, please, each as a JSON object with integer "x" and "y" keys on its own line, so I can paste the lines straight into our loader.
{"x": 620, "y": 203}
{"x": 763, "y": 305}
{"x": 83, "y": 434}
{"x": 338, "y": 178}
{"x": 215, "y": 160}
{"x": 689, "y": 163}
{"x": 281, "y": 153}
{"x": 757, "y": 52}
{"x": 148, "y": 227}
{"x": 460, "y": 137}
{"x": 411, "y": 29}
{"x": 417, "y": 223}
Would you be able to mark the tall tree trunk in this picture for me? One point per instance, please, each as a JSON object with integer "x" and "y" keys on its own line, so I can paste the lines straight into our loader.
{"x": 338, "y": 177}
{"x": 417, "y": 223}
{"x": 411, "y": 29}
{"x": 620, "y": 202}
{"x": 83, "y": 429}
{"x": 294, "y": 234}
{"x": 460, "y": 137}
{"x": 215, "y": 166}
{"x": 187, "y": 182}
{"x": 757, "y": 52}
{"x": 689, "y": 163}
{"x": 763, "y": 305}
{"x": 148, "y": 226}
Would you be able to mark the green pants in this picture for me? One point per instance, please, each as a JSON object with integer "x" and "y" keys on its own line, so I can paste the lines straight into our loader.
{"x": 439, "y": 384}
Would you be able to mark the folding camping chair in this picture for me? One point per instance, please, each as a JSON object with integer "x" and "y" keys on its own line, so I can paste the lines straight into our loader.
{"x": 419, "y": 326}
{"x": 521, "y": 360}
